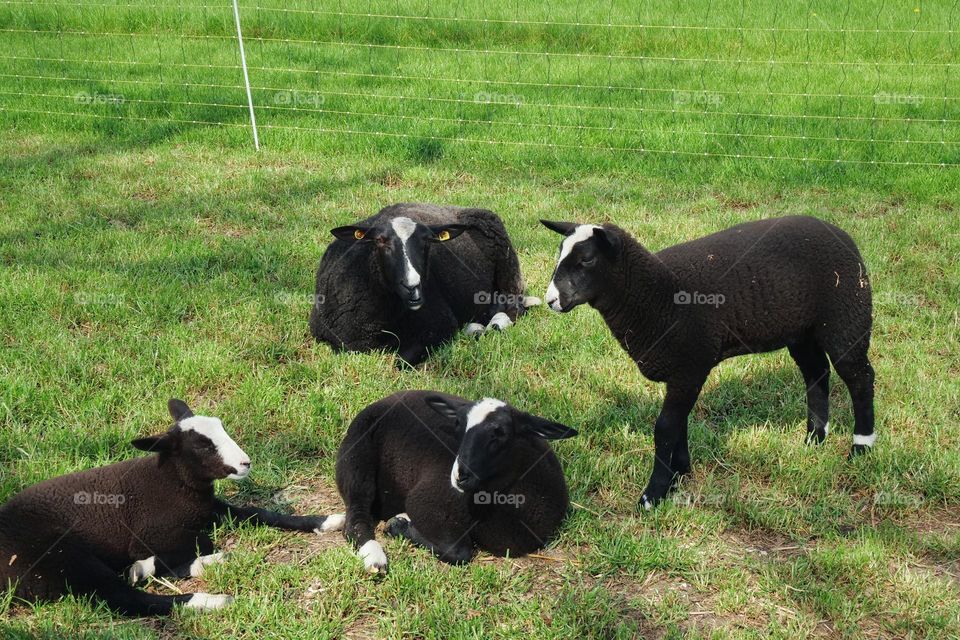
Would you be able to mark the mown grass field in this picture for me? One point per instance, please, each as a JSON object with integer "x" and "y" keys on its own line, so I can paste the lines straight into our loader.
{"x": 148, "y": 252}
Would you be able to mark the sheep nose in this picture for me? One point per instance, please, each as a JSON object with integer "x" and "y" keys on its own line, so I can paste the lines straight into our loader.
{"x": 245, "y": 465}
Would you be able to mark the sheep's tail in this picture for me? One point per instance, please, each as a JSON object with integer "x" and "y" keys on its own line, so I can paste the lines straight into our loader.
{"x": 332, "y": 522}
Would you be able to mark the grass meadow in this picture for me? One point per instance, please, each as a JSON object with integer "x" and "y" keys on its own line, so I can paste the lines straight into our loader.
{"x": 148, "y": 252}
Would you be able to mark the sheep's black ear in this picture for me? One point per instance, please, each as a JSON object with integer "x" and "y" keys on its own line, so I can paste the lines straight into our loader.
{"x": 351, "y": 233}
{"x": 178, "y": 409}
{"x": 154, "y": 444}
{"x": 444, "y": 406}
{"x": 563, "y": 228}
{"x": 546, "y": 429}
{"x": 608, "y": 239}
{"x": 444, "y": 232}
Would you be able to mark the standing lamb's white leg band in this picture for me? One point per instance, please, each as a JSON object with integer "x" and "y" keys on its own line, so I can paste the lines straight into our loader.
{"x": 866, "y": 441}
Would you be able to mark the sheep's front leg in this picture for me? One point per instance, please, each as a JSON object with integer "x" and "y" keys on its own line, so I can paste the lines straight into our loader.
{"x": 458, "y": 552}
{"x": 670, "y": 427}
{"x": 271, "y": 518}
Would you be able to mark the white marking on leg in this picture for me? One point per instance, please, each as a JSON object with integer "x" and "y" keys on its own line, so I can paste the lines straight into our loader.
{"x": 374, "y": 559}
{"x": 499, "y": 322}
{"x": 333, "y": 522}
{"x": 404, "y": 228}
{"x": 228, "y": 450}
{"x": 531, "y": 301}
{"x": 208, "y": 601}
{"x": 866, "y": 441}
{"x": 826, "y": 429}
{"x": 402, "y": 516}
{"x": 141, "y": 570}
{"x": 473, "y": 329}
{"x": 645, "y": 501}
{"x": 197, "y": 566}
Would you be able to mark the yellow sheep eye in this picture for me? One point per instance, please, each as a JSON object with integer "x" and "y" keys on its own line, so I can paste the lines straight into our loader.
{"x": 358, "y": 234}
{"x": 443, "y": 235}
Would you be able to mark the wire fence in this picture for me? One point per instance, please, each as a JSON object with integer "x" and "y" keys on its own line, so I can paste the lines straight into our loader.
{"x": 865, "y": 82}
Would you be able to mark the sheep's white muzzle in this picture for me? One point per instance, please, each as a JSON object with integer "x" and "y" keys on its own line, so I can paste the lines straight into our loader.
{"x": 553, "y": 297}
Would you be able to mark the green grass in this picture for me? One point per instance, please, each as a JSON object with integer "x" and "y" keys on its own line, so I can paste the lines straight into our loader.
{"x": 144, "y": 259}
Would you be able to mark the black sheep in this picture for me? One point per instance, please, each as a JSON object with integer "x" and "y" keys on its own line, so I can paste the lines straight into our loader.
{"x": 451, "y": 475}
{"x": 408, "y": 278}
{"x": 150, "y": 515}
{"x": 794, "y": 282}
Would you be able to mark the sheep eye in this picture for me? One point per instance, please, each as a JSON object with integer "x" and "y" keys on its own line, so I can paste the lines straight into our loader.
{"x": 443, "y": 236}
{"x": 589, "y": 263}
{"x": 358, "y": 234}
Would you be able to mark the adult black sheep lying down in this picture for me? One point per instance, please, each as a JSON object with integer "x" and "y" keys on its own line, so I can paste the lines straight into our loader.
{"x": 794, "y": 282}
{"x": 407, "y": 278}
{"x": 150, "y": 515}
{"x": 452, "y": 476}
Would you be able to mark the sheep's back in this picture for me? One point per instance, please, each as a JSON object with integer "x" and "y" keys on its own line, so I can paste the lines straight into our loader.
{"x": 763, "y": 283}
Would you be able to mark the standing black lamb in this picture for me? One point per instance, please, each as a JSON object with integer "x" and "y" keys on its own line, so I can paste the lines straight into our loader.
{"x": 452, "y": 476}
{"x": 794, "y": 282}
{"x": 149, "y": 515}
{"x": 407, "y": 278}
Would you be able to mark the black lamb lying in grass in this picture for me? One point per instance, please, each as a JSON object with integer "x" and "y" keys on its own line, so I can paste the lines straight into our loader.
{"x": 794, "y": 282}
{"x": 451, "y": 476}
{"x": 149, "y": 516}
{"x": 408, "y": 278}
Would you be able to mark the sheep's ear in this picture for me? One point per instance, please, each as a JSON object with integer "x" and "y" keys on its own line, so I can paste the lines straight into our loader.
{"x": 178, "y": 409}
{"x": 608, "y": 239}
{"x": 444, "y": 406}
{"x": 444, "y": 232}
{"x": 352, "y": 233}
{"x": 154, "y": 444}
{"x": 537, "y": 426}
{"x": 563, "y": 228}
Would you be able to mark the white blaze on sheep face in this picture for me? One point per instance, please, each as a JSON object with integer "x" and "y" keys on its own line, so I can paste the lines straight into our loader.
{"x": 477, "y": 414}
{"x": 582, "y": 233}
{"x": 228, "y": 450}
{"x": 404, "y": 228}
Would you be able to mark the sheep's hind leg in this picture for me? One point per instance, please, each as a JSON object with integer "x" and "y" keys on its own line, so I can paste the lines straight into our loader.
{"x": 667, "y": 431}
{"x": 458, "y": 552}
{"x": 813, "y": 364}
{"x": 857, "y": 373}
{"x": 680, "y": 462}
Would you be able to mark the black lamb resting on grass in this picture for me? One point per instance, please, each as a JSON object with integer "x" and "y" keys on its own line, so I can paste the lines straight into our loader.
{"x": 794, "y": 282}
{"x": 452, "y": 476}
{"x": 149, "y": 516}
{"x": 407, "y": 278}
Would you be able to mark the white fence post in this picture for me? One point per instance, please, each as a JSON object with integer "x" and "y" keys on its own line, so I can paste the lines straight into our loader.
{"x": 246, "y": 77}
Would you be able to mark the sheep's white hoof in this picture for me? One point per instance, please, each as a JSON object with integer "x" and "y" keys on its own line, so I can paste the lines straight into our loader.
{"x": 333, "y": 522}
{"x": 474, "y": 329}
{"x": 645, "y": 501}
{"x": 531, "y": 301}
{"x": 198, "y": 565}
{"x": 208, "y": 601}
{"x": 374, "y": 559}
{"x": 499, "y": 322}
{"x": 141, "y": 570}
